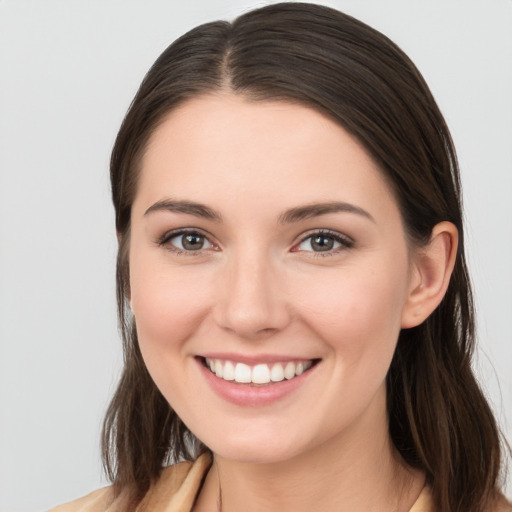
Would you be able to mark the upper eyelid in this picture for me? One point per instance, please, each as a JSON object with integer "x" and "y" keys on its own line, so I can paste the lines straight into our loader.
{"x": 301, "y": 238}
{"x": 164, "y": 241}
{"x": 183, "y": 231}
{"x": 326, "y": 232}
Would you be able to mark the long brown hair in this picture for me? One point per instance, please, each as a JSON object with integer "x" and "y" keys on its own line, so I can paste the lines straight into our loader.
{"x": 439, "y": 419}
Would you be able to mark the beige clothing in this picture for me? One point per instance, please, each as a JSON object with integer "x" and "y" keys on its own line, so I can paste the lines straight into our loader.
{"x": 175, "y": 491}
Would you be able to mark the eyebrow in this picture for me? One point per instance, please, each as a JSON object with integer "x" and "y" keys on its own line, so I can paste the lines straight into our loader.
{"x": 313, "y": 210}
{"x": 188, "y": 207}
{"x": 288, "y": 217}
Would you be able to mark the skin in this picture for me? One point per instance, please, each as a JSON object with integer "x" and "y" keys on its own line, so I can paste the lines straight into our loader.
{"x": 258, "y": 286}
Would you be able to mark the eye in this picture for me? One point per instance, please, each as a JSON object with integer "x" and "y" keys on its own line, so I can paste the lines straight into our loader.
{"x": 324, "y": 242}
{"x": 186, "y": 241}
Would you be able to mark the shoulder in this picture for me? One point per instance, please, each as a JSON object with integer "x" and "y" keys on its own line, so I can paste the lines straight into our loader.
{"x": 98, "y": 500}
{"x": 178, "y": 485}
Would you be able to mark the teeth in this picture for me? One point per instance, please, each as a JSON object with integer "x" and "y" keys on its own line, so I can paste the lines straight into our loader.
{"x": 218, "y": 368}
{"x": 258, "y": 374}
{"x": 261, "y": 374}
{"x": 289, "y": 371}
{"x": 277, "y": 373}
{"x": 229, "y": 371}
{"x": 242, "y": 372}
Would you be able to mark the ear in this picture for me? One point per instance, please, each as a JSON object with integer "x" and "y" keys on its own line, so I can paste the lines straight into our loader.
{"x": 432, "y": 267}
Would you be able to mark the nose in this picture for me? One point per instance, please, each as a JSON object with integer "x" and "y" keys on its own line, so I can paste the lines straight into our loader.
{"x": 252, "y": 301}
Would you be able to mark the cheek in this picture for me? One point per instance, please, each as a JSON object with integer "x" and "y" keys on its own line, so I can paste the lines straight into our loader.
{"x": 168, "y": 304}
{"x": 168, "y": 307}
{"x": 357, "y": 310}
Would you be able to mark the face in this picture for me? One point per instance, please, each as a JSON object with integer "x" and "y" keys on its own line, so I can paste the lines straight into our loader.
{"x": 269, "y": 276}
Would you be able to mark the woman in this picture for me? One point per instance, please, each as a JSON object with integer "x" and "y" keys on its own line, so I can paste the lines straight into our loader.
{"x": 293, "y": 294}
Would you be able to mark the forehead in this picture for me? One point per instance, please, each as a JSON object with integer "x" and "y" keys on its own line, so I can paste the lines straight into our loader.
{"x": 224, "y": 145}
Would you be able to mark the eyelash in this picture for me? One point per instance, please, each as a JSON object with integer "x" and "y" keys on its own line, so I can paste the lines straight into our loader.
{"x": 344, "y": 241}
{"x": 167, "y": 237}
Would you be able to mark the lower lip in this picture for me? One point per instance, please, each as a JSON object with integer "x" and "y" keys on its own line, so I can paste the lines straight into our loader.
{"x": 252, "y": 396}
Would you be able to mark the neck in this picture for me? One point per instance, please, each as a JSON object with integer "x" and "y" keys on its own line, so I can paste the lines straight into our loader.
{"x": 357, "y": 471}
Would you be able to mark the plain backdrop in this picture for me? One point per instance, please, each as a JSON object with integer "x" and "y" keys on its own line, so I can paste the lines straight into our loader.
{"x": 68, "y": 71}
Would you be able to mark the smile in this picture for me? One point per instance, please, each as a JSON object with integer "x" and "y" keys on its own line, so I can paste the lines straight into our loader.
{"x": 257, "y": 374}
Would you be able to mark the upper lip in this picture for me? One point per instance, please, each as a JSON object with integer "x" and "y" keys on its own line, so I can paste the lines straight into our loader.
{"x": 252, "y": 360}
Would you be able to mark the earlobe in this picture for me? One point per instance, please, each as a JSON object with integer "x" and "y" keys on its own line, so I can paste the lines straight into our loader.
{"x": 432, "y": 267}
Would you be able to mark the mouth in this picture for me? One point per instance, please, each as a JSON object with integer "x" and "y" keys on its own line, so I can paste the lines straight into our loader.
{"x": 259, "y": 374}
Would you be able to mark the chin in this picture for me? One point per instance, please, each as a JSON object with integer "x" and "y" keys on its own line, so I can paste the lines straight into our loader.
{"x": 266, "y": 448}
{"x": 254, "y": 455}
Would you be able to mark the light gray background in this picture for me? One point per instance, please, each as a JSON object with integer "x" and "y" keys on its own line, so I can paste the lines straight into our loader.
{"x": 68, "y": 70}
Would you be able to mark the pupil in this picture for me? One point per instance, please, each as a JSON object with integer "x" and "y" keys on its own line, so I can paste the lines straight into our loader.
{"x": 192, "y": 242}
{"x": 322, "y": 243}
